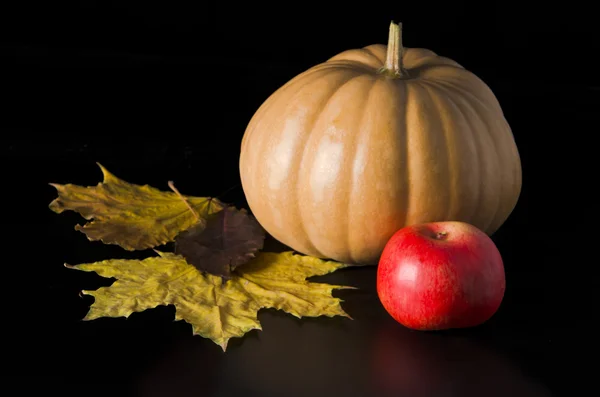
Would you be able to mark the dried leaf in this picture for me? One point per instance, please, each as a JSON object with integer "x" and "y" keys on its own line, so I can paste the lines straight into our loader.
{"x": 228, "y": 239}
{"x": 216, "y": 309}
{"x": 133, "y": 216}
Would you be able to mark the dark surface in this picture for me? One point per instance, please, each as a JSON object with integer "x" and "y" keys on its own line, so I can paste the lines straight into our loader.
{"x": 159, "y": 94}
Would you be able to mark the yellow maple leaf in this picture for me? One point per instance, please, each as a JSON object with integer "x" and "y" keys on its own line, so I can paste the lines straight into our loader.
{"x": 133, "y": 216}
{"x": 216, "y": 309}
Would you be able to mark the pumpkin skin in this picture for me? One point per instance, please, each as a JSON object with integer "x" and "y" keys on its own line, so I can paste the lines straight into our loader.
{"x": 341, "y": 157}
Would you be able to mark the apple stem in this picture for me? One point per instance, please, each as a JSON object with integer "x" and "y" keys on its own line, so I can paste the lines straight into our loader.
{"x": 441, "y": 235}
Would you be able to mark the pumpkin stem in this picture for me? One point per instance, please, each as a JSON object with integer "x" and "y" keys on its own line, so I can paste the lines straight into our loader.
{"x": 394, "y": 66}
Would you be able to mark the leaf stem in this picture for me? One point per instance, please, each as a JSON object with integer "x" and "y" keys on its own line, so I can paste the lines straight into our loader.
{"x": 187, "y": 203}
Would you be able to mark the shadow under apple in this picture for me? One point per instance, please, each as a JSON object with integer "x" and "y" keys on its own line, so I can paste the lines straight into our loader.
{"x": 415, "y": 363}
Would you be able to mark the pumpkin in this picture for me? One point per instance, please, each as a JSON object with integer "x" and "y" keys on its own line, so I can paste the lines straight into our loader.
{"x": 372, "y": 140}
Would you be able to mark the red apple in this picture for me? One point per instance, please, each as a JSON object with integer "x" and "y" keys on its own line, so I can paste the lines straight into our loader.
{"x": 440, "y": 275}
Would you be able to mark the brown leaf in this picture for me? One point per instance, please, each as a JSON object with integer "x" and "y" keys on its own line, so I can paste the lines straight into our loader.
{"x": 228, "y": 239}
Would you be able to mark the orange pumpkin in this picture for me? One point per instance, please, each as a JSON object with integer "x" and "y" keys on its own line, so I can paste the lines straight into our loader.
{"x": 374, "y": 139}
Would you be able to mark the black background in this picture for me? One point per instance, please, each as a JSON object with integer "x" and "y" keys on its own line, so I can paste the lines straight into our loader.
{"x": 159, "y": 91}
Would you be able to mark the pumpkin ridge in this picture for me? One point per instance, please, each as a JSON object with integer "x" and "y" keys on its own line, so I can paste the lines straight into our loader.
{"x": 517, "y": 172}
{"x": 416, "y": 58}
{"x": 274, "y": 98}
{"x": 410, "y": 171}
{"x": 350, "y": 64}
{"x": 487, "y": 100}
{"x": 503, "y": 145}
{"x": 407, "y": 168}
{"x": 252, "y": 129}
{"x": 350, "y": 181}
{"x": 458, "y": 112}
{"x": 491, "y": 227}
{"x": 357, "y": 56}
{"x": 483, "y": 109}
{"x": 404, "y": 174}
{"x": 505, "y": 179}
{"x": 466, "y": 93}
{"x": 316, "y": 116}
{"x": 304, "y": 75}
{"x": 259, "y": 140}
{"x": 369, "y": 49}
{"x": 473, "y": 138}
{"x": 441, "y": 115}
{"x": 362, "y": 57}
{"x": 434, "y": 182}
